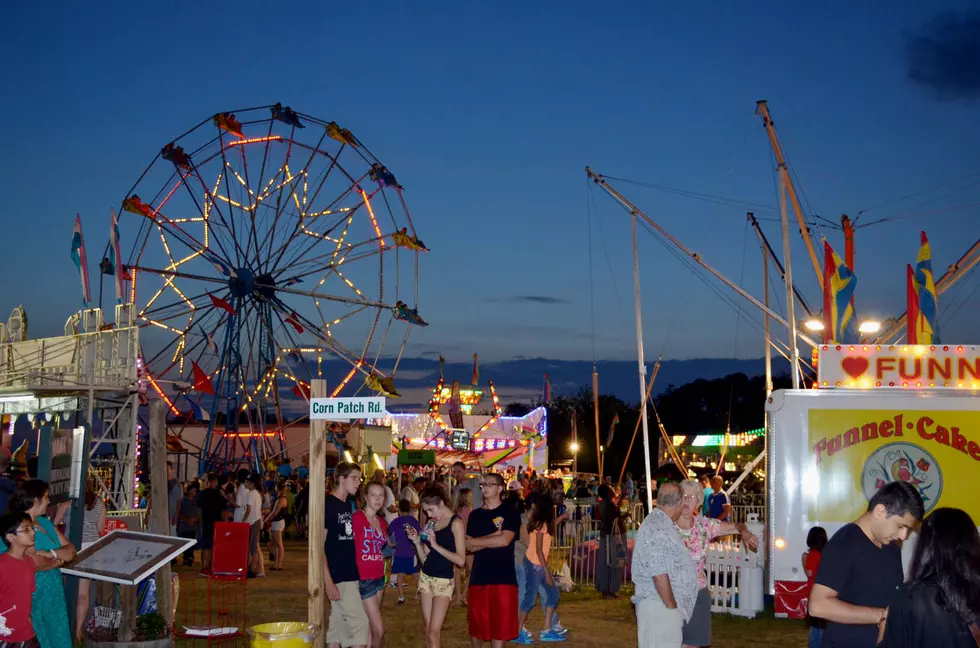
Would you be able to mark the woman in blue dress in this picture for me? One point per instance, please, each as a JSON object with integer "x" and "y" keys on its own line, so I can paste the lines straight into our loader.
{"x": 49, "y": 612}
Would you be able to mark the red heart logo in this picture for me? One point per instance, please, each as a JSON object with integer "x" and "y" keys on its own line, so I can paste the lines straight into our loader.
{"x": 854, "y": 367}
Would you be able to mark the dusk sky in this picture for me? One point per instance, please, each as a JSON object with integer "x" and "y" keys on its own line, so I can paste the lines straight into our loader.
{"x": 488, "y": 113}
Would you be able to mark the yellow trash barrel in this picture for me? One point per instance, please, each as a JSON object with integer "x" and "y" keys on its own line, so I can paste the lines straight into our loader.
{"x": 283, "y": 634}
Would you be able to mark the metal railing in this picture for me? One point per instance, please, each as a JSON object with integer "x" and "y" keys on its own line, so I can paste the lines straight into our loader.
{"x": 741, "y": 513}
{"x": 102, "y": 360}
{"x": 730, "y": 564}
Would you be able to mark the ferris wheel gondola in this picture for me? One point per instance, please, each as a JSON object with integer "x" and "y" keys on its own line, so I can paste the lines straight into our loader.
{"x": 269, "y": 248}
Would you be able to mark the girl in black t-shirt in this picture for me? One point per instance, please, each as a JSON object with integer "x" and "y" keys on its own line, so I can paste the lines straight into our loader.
{"x": 440, "y": 546}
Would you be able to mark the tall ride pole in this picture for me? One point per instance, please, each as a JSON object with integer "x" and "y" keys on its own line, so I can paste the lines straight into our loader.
{"x": 765, "y": 288}
{"x": 697, "y": 258}
{"x": 762, "y": 108}
{"x": 642, "y": 365}
{"x": 767, "y": 250}
{"x": 790, "y": 301}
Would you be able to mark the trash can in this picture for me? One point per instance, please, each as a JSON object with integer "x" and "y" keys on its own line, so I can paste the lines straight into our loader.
{"x": 283, "y": 634}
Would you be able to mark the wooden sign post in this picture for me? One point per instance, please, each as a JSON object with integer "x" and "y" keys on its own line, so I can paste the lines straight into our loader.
{"x": 159, "y": 502}
{"x": 318, "y": 479}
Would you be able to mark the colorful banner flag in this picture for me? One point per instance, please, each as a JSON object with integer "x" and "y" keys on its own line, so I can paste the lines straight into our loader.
{"x": 202, "y": 382}
{"x": 218, "y": 302}
{"x": 78, "y": 257}
{"x": 612, "y": 430}
{"x": 547, "y": 390}
{"x": 293, "y": 319}
{"x": 222, "y": 267}
{"x": 912, "y": 315}
{"x": 115, "y": 260}
{"x": 476, "y": 369}
{"x": 196, "y": 411}
{"x": 838, "y": 288}
{"x": 442, "y": 366}
{"x": 928, "y": 332}
{"x": 301, "y": 391}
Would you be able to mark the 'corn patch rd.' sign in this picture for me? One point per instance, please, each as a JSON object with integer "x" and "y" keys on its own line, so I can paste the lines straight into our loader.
{"x": 347, "y": 409}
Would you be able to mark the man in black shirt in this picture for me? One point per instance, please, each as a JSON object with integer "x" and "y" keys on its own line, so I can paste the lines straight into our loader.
{"x": 348, "y": 623}
{"x": 861, "y": 567}
{"x": 492, "y": 591}
{"x": 212, "y": 504}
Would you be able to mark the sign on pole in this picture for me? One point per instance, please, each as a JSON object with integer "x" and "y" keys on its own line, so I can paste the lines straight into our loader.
{"x": 346, "y": 409}
{"x": 416, "y": 458}
{"x": 60, "y": 462}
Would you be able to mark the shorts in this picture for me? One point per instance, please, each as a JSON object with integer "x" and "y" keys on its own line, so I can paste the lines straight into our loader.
{"x": 347, "y": 624}
{"x": 253, "y": 538}
{"x": 658, "y": 625}
{"x": 403, "y": 565}
{"x": 492, "y": 612}
{"x": 369, "y": 588}
{"x": 535, "y": 581}
{"x": 278, "y": 525}
{"x": 697, "y": 631}
{"x": 436, "y": 586}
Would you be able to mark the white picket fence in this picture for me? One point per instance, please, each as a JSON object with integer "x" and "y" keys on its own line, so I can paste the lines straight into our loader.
{"x": 742, "y": 513}
{"x": 735, "y": 575}
{"x": 735, "y": 578}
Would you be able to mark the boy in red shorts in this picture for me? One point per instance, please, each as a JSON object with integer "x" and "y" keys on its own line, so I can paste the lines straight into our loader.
{"x": 17, "y": 584}
{"x": 492, "y": 595}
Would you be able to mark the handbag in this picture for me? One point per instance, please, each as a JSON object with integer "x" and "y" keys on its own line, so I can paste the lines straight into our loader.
{"x": 616, "y": 549}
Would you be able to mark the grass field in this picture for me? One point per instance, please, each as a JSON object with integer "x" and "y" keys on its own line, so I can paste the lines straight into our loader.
{"x": 592, "y": 622}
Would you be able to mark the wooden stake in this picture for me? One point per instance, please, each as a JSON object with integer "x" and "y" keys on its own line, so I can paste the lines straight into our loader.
{"x": 595, "y": 407}
{"x": 318, "y": 484}
{"x": 639, "y": 419}
{"x": 159, "y": 502}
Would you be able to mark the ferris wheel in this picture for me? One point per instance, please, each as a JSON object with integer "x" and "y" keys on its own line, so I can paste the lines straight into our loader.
{"x": 269, "y": 248}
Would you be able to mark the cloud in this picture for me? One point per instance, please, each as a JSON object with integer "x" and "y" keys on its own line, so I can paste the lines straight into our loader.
{"x": 538, "y": 299}
{"x": 944, "y": 55}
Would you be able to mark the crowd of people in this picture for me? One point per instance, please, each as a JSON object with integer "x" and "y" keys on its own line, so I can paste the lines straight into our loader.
{"x": 484, "y": 541}
{"x": 480, "y": 542}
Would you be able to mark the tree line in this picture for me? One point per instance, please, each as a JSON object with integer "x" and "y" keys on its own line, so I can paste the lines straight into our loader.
{"x": 699, "y": 407}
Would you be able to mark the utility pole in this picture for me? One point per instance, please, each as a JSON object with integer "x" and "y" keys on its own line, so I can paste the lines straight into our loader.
{"x": 771, "y": 253}
{"x": 762, "y": 108}
{"x": 642, "y": 366}
{"x": 790, "y": 302}
{"x": 697, "y": 258}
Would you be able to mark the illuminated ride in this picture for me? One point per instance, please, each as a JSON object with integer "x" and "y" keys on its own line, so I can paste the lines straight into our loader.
{"x": 269, "y": 247}
{"x": 454, "y": 432}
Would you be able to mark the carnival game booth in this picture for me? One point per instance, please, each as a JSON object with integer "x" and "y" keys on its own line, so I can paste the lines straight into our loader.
{"x": 488, "y": 440}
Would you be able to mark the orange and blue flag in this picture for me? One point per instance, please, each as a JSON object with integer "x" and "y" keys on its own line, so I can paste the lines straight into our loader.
{"x": 78, "y": 257}
{"x": 927, "y": 325}
{"x": 612, "y": 430}
{"x": 839, "y": 284}
{"x": 115, "y": 261}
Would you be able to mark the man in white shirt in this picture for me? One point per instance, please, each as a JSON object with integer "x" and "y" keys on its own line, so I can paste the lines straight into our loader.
{"x": 664, "y": 575}
{"x": 241, "y": 496}
{"x": 390, "y": 508}
{"x": 411, "y": 493}
{"x": 253, "y": 517}
{"x": 473, "y": 483}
